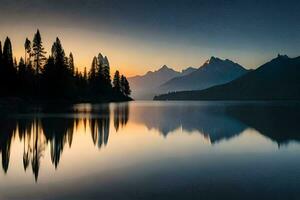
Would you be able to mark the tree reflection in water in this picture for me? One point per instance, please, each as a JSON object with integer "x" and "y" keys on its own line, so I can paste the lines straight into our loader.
{"x": 38, "y": 132}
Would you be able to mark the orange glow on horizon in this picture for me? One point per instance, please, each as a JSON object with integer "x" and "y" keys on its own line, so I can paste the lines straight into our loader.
{"x": 131, "y": 56}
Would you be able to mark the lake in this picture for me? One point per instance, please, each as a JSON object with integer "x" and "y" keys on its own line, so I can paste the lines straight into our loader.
{"x": 152, "y": 150}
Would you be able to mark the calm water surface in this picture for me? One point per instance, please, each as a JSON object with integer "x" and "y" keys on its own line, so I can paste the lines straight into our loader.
{"x": 152, "y": 150}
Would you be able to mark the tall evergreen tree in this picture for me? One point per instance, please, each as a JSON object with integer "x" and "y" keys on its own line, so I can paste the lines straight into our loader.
{"x": 117, "y": 81}
{"x": 125, "y": 86}
{"x": 27, "y": 46}
{"x": 106, "y": 73}
{"x": 38, "y": 52}
{"x": 71, "y": 64}
{"x": 93, "y": 71}
{"x": 58, "y": 53}
{"x": 57, "y": 77}
{"x": 100, "y": 64}
{"x": 100, "y": 73}
{"x": 8, "y": 71}
{"x": 8, "y": 54}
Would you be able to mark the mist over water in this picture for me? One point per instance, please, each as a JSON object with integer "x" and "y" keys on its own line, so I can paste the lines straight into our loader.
{"x": 146, "y": 150}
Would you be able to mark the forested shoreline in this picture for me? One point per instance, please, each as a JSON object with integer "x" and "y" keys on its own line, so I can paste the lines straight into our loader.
{"x": 55, "y": 78}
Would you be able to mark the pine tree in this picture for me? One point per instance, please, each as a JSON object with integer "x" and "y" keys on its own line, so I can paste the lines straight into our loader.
{"x": 71, "y": 64}
{"x": 93, "y": 70}
{"x": 123, "y": 84}
{"x": 100, "y": 64}
{"x": 27, "y": 46}
{"x": 38, "y": 52}
{"x": 106, "y": 73}
{"x": 8, "y": 54}
{"x": 8, "y": 70}
{"x": 117, "y": 81}
{"x": 100, "y": 72}
{"x": 58, "y": 53}
{"x": 125, "y": 88}
{"x": 59, "y": 78}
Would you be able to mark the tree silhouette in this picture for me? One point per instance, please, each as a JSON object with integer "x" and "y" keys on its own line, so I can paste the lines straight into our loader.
{"x": 125, "y": 88}
{"x": 7, "y": 53}
{"x": 58, "y": 53}
{"x": 71, "y": 64}
{"x": 92, "y": 72}
{"x": 27, "y": 46}
{"x": 106, "y": 73}
{"x": 8, "y": 71}
{"x": 38, "y": 52}
{"x": 100, "y": 65}
{"x": 117, "y": 81}
{"x": 56, "y": 78}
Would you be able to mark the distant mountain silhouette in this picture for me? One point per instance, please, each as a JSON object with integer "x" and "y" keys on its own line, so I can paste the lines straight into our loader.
{"x": 278, "y": 79}
{"x": 145, "y": 86}
{"x": 213, "y": 72}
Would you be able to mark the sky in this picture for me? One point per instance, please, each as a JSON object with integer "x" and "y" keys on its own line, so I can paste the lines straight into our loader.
{"x": 142, "y": 35}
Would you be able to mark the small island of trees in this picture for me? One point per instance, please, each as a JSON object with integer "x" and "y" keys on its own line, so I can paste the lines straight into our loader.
{"x": 38, "y": 78}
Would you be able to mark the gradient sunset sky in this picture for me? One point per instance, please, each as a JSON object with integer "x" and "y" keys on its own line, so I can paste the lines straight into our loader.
{"x": 142, "y": 35}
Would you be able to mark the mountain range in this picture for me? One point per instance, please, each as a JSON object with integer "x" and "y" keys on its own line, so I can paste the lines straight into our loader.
{"x": 278, "y": 79}
{"x": 213, "y": 72}
{"x": 145, "y": 86}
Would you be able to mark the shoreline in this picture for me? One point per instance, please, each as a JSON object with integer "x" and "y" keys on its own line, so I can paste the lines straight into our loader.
{"x": 19, "y": 103}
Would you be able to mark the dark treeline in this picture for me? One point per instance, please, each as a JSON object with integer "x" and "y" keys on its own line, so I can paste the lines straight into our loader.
{"x": 56, "y": 77}
{"x": 57, "y": 133}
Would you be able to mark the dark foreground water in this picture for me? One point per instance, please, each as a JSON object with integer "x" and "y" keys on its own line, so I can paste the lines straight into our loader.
{"x": 152, "y": 150}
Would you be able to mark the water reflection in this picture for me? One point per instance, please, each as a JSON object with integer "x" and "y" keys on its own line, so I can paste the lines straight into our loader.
{"x": 212, "y": 122}
{"x": 40, "y": 130}
{"x": 217, "y": 122}
{"x": 280, "y": 123}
